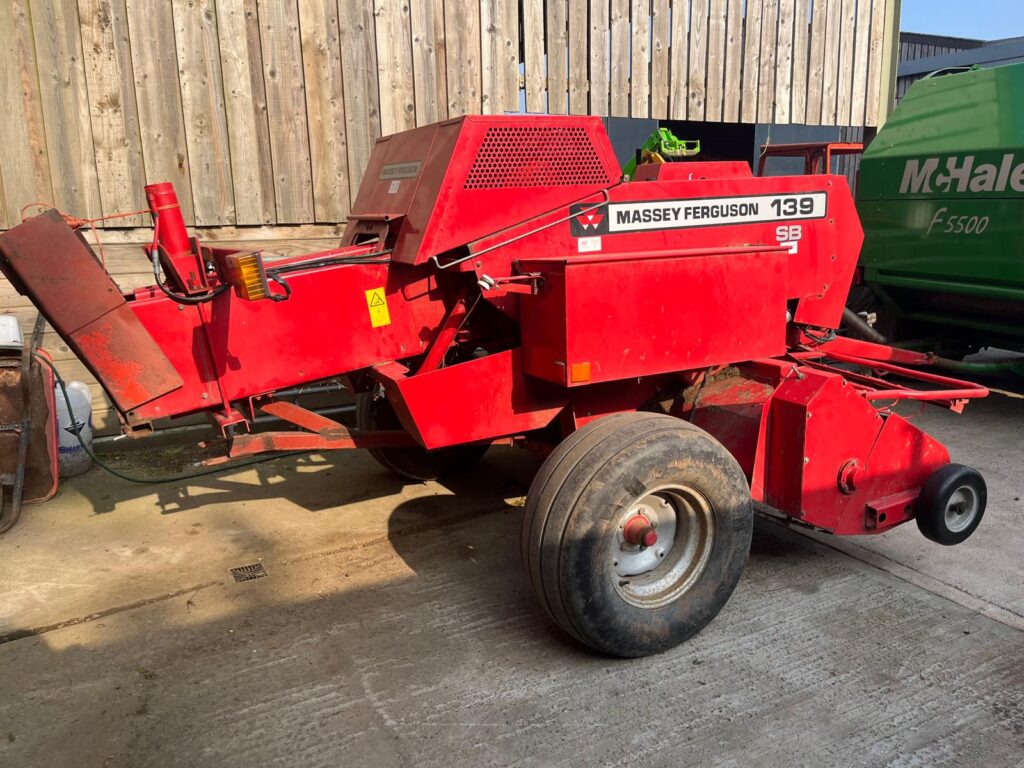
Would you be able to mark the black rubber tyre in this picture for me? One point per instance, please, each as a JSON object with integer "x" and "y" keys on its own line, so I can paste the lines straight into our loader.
{"x": 951, "y": 504}
{"x": 572, "y": 531}
{"x": 417, "y": 464}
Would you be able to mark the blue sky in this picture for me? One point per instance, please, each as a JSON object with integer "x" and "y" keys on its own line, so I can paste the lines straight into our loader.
{"x": 981, "y": 19}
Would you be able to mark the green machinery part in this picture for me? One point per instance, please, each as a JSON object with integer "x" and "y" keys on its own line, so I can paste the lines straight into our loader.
{"x": 941, "y": 199}
{"x": 661, "y": 146}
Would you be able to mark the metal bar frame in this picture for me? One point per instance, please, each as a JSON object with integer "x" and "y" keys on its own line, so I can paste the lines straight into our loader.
{"x": 884, "y": 358}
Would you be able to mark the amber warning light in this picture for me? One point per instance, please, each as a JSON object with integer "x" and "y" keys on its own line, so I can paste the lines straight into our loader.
{"x": 247, "y": 276}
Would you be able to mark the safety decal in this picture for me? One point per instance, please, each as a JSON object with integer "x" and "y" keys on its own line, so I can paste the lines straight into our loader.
{"x": 377, "y": 304}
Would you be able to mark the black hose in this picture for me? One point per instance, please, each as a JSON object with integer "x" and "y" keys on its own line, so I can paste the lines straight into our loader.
{"x": 180, "y": 298}
{"x": 275, "y": 278}
{"x": 857, "y": 324}
{"x": 76, "y": 429}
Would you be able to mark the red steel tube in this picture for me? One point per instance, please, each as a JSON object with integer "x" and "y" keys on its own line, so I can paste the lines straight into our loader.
{"x": 868, "y": 350}
{"x": 163, "y": 202}
{"x": 959, "y": 389}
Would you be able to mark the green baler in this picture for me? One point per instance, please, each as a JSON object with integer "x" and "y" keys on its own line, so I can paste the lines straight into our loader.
{"x": 941, "y": 198}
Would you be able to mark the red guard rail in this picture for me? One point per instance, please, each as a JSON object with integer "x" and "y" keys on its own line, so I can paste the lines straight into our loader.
{"x": 878, "y": 357}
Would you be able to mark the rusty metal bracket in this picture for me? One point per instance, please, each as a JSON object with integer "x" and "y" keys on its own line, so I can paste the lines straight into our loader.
{"x": 318, "y": 433}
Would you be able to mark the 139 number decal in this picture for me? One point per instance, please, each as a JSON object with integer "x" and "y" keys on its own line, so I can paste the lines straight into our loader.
{"x": 792, "y": 206}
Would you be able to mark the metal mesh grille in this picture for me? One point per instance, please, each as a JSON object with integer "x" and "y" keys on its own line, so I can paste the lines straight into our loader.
{"x": 538, "y": 156}
{"x": 248, "y": 572}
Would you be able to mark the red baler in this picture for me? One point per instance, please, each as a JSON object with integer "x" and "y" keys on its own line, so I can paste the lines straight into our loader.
{"x": 667, "y": 342}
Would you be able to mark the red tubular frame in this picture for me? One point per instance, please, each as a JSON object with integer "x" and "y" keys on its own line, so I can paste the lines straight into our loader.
{"x": 966, "y": 390}
{"x": 868, "y": 354}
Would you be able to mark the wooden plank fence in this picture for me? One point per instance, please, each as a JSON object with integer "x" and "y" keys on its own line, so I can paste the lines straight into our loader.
{"x": 265, "y": 111}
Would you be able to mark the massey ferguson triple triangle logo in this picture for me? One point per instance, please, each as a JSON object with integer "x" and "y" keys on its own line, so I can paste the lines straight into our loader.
{"x": 587, "y": 220}
{"x": 590, "y": 220}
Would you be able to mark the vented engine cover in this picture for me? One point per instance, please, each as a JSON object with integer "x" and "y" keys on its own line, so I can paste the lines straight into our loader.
{"x": 452, "y": 183}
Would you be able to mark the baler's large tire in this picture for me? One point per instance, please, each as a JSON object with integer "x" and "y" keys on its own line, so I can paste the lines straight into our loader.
{"x": 625, "y": 599}
{"x": 951, "y": 504}
{"x": 418, "y": 464}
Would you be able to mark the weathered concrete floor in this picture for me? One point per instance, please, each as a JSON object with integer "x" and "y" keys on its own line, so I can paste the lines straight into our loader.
{"x": 396, "y": 628}
{"x": 986, "y": 572}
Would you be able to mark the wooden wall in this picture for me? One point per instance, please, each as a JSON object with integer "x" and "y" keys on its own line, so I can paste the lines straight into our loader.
{"x": 263, "y": 112}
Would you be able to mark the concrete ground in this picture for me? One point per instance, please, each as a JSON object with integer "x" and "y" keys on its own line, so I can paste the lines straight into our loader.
{"x": 395, "y": 627}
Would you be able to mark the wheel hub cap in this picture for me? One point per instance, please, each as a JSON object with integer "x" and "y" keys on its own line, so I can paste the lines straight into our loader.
{"x": 662, "y": 543}
{"x": 639, "y": 532}
{"x": 962, "y": 508}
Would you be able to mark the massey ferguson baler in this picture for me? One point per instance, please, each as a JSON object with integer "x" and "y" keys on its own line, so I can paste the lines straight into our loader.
{"x": 668, "y": 343}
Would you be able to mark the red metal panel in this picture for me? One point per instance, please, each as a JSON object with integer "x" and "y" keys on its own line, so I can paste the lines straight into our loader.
{"x": 823, "y": 247}
{"x": 324, "y": 329}
{"x": 50, "y": 262}
{"x": 124, "y": 359}
{"x": 477, "y": 400}
{"x": 589, "y": 403}
{"x": 816, "y": 425}
{"x": 692, "y": 171}
{"x": 401, "y": 182}
{"x": 819, "y": 426}
{"x": 178, "y": 331}
{"x": 458, "y": 181}
{"x": 628, "y": 315}
{"x": 731, "y": 408}
{"x": 900, "y": 461}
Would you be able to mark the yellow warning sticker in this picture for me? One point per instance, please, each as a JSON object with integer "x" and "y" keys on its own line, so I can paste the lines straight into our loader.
{"x": 377, "y": 303}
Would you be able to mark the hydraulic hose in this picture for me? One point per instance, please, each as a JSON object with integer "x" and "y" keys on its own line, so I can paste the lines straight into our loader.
{"x": 180, "y": 298}
{"x": 77, "y": 431}
{"x": 856, "y": 323}
{"x": 1014, "y": 365}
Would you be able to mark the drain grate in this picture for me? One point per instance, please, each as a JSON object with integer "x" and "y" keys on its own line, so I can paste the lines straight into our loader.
{"x": 248, "y": 572}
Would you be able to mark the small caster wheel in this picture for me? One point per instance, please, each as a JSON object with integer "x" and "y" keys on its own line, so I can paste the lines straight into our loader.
{"x": 951, "y": 504}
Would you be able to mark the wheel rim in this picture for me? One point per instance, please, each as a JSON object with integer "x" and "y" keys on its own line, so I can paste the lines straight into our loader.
{"x": 653, "y": 576}
{"x": 962, "y": 508}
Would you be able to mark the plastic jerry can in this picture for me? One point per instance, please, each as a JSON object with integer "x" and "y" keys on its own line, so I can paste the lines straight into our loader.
{"x": 73, "y": 460}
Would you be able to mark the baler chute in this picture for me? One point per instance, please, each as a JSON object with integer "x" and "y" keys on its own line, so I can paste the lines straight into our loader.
{"x": 668, "y": 342}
